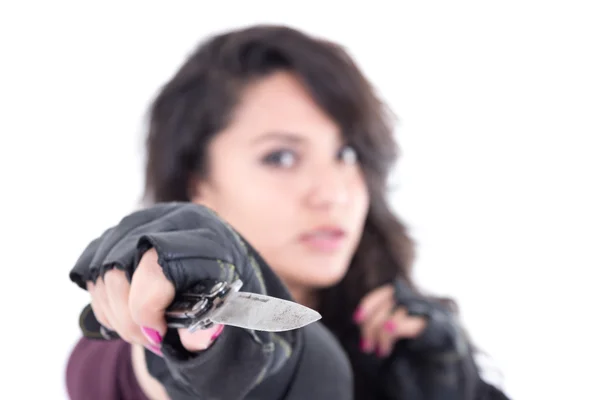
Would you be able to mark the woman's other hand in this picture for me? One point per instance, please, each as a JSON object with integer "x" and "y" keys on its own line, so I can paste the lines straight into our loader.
{"x": 382, "y": 322}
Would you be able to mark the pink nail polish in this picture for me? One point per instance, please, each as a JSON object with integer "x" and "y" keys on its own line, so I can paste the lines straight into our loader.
{"x": 152, "y": 335}
{"x": 365, "y": 346}
{"x": 358, "y": 315}
{"x": 155, "y": 349}
{"x": 389, "y": 326}
{"x": 217, "y": 333}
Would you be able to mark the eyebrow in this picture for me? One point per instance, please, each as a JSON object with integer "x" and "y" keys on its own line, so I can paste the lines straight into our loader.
{"x": 280, "y": 136}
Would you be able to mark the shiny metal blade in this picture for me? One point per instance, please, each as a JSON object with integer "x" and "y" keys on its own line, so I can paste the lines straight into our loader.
{"x": 263, "y": 313}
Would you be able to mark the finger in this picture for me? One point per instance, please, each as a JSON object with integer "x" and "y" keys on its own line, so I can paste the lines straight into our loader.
{"x": 387, "y": 335}
{"x": 372, "y": 302}
{"x": 100, "y": 299}
{"x": 374, "y": 324}
{"x": 96, "y": 307}
{"x": 201, "y": 339}
{"x": 149, "y": 296}
{"x": 404, "y": 326}
{"x": 117, "y": 290}
{"x": 399, "y": 325}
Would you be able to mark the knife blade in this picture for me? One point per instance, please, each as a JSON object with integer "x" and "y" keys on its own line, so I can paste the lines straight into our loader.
{"x": 225, "y": 304}
{"x": 264, "y": 313}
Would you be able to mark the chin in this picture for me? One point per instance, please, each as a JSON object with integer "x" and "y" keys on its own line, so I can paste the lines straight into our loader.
{"x": 323, "y": 278}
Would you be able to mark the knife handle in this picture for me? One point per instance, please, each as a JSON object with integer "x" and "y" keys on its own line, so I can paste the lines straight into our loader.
{"x": 191, "y": 310}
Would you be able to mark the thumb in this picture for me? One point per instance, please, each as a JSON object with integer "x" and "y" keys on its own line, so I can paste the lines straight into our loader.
{"x": 150, "y": 294}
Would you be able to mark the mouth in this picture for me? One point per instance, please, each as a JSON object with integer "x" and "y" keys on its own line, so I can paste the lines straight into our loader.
{"x": 324, "y": 239}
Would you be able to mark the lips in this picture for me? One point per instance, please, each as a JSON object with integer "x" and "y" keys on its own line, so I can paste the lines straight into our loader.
{"x": 324, "y": 239}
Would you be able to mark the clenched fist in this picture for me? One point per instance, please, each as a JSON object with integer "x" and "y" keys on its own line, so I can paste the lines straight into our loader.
{"x": 135, "y": 269}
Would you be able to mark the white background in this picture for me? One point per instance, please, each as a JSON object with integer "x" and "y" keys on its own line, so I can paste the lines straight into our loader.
{"x": 499, "y": 107}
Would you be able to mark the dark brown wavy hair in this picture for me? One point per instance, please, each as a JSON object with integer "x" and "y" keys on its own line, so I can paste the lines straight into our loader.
{"x": 197, "y": 103}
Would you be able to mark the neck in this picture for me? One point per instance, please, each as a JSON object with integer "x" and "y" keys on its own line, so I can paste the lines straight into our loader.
{"x": 304, "y": 296}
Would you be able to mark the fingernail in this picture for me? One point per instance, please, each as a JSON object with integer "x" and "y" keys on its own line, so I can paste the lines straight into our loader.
{"x": 155, "y": 349}
{"x": 217, "y": 333}
{"x": 389, "y": 326}
{"x": 365, "y": 346}
{"x": 358, "y": 315}
{"x": 152, "y": 335}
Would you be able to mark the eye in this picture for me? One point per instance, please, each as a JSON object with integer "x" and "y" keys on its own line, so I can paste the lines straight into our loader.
{"x": 281, "y": 158}
{"x": 348, "y": 155}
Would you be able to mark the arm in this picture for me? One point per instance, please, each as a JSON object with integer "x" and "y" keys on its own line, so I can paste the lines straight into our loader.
{"x": 193, "y": 244}
{"x": 437, "y": 364}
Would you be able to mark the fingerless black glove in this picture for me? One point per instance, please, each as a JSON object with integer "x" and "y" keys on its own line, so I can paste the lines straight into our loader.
{"x": 443, "y": 334}
{"x": 192, "y": 242}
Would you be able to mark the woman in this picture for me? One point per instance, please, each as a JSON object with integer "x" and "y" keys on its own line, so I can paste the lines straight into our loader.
{"x": 282, "y": 136}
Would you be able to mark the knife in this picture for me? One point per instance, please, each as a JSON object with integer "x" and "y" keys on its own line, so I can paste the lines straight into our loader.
{"x": 220, "y": 303}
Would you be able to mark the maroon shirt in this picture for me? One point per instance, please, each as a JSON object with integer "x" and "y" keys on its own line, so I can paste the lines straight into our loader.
{"x": 102, "y": 370}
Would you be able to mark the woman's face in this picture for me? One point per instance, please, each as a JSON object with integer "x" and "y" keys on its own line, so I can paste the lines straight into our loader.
{"x": 283, "y": 177}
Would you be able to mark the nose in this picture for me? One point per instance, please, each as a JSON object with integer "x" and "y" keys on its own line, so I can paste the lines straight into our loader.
{"x": 330, "y": 187}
